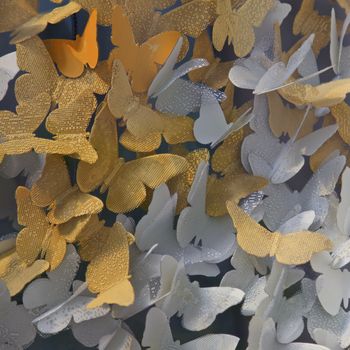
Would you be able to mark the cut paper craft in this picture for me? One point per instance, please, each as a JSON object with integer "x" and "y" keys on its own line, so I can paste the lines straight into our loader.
{"x": 186, "y": 299}
{"x": 13, "y": 271}
{"x": 216, "y": 74}
{"x": 291, "y": 249}
{"x": 141, "y": 120}
{"x": 265, "y": 155}
{"x": 237, "y": 25}
{"x": 51, "y": 300}
{"x": 331, "y": 298}
{"x": 155, "y": 232}
{"x": 71, "y": 56}
{"x": 8, "y": 70}
{"x": 17, "y": 330}
{"x": 282, "y": 203}
{"x": 214, "y": 233}
{"x": 108, "y": 271}
{"x": 114, "y": 174}
{"x": 140, "y": 61}
{"x": 176, "y": 95}
{"x": 158, "y": 336}
{"x": 38, "y": 23}
{"x": 251, "y": 74}
{"x": 244, "y": 278}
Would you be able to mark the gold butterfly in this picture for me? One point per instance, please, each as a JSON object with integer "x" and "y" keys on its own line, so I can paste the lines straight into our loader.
{"x": 13, "y": 271}
{"x": 142, "y": 121}
{"x": 108, "y": 271}
{"x": 323, "y": 95}
{"x": 68, "y": 213}
{"x": 290, "y": 249}
{"x": 74, "y": 99}
{"x": 126, "y": 181}
{"x": 40, "y": 21}
{"x": 215, "y": 74}
{"x": 139, "y": 60}
{"x": 237, "y": 25}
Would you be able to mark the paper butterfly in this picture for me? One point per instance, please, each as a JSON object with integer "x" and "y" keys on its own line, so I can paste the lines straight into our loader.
{"x": 140, "y": 61}
{"x": 326, "y": 338}
{"x": 158, "y": 336}
{"x": 38, "y": 23}
{"x": 13, "y": 271}
{"x": 68, "y": 209}
{"x": 291, "y": 249}
{"x": 186, "y": 299}
{"x": 108, "y": 271}
{"x": 71, "y": 56}
{"x": 8, "y": 70}
{"x": 264, "y": 155}
{"x": 215, "y": 233}
{"x": 230, "y": 22}
{"x": 52, "y": 301}
{"x": 155, "y": 231}
{"x": 114, "y": 174}
{"x": 277, "y": 209}
{"x": 17, "y": 330}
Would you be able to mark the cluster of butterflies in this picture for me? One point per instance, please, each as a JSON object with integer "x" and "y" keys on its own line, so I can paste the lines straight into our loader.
{"x": 127, "y": 178}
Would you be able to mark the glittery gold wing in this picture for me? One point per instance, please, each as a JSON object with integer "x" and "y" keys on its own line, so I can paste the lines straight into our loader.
{"x": 127, "y": 189}
{"x": 16, "y": 274}
{"x": 191, "y": 18}
{"x": 71, "y": 136}
{"x": 64, "y": 201}
{"x": 104, "y": 139}
{"x": 30, "y": 240}
{"x": 108, "y": 272}
{"x": 290, "y": 249}
{"x": 38, "y": 23}
{"x": 41, "y": 76}
{"x": 323, "y": 95}
{"x": 230, "y": 188}
{"x": 341, "y": 114}
{"x": 17, "y": 130}
{"x": 181, "y": 184}
{"x": 17, "y": 13}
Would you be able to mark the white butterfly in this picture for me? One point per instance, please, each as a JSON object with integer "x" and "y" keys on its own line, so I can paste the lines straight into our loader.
{"x": 180, "y": 96}
{"x": 333, "y": 285}
{"x": 282, "y": 203}
{"x": 107, "y": 333}
{"x": 156, "y": 230}
{"x": 250, "y": 73}
{"x": 216, "y": 234}
{"x": 51, "y": 299}
{"x": 8, "y": 70}
{"x": 197, "y": 306}
{"x": 326, "y": 338}
{"x": 340, "y": 55}
{"x": 16, "y": 328}
{"x": 158, "y": 336}
{"x": 268, "y": 340}
{"x": 243, "y": 277}
{"x": 264, "y": 155}
{"x": 338, "y": 325}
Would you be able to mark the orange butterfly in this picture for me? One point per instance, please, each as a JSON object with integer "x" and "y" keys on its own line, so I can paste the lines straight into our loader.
{"x": 71, "y": 56}
{"x": 140, "y": 61}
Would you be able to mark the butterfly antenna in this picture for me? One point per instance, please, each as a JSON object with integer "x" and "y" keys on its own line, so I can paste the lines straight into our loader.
{"x": 301, "y": 124}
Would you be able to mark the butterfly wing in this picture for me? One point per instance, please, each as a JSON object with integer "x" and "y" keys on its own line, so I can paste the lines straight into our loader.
{"x": 212, "y": 341}
{"x": 136, "y": 175}
{"x": 8, "y": 70}
{"x": 107, "y": 273}
{"x": 252, "y": 238}
{"x": 30, "y": 240}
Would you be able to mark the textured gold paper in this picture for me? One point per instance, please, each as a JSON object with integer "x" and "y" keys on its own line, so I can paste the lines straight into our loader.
{"x": 108, "y": 272}
{"x": 290, "y": 249}
{"x": 341, "y": 114}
